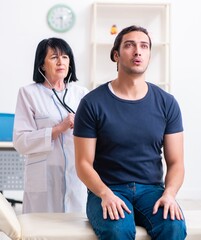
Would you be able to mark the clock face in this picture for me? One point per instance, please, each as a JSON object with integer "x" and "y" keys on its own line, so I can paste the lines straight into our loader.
{"x": 60, "y": 18}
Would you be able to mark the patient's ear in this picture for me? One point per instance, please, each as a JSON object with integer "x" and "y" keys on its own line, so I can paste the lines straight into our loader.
{"x": 116, "y": 56}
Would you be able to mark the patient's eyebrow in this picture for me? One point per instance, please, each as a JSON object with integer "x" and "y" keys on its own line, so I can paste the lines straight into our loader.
{"x": 135, "y": 42}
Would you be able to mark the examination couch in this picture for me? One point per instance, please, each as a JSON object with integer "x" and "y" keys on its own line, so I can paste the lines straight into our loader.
{"x": 62, "y": 226}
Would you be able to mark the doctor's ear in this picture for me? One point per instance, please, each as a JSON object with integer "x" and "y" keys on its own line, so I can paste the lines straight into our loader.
{"x": 43, "y": 68}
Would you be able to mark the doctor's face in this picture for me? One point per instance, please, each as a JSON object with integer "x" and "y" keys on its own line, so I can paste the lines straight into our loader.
{"x": 56, "y": 65}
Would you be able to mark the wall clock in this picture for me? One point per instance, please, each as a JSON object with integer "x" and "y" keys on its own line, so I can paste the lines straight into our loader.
{"x": 60, "y": 18}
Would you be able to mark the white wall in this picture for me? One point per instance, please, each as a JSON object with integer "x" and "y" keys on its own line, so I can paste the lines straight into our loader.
{"x": 23, "y": 25}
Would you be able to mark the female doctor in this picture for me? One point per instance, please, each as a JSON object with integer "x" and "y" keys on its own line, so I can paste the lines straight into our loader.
{"x": 44, "y": 119}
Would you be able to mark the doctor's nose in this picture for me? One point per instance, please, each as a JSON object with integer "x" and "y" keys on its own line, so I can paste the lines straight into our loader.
{"x": 59, "y": 61}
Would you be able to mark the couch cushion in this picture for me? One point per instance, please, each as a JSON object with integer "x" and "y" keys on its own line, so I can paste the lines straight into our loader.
{"x": 60, "y": 226}
{"x": 9, "y": 223}
{"x": 141, "y": 234}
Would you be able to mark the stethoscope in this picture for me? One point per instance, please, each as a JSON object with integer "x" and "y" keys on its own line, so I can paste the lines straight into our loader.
{"x": 55, "y": 93}
{"x": 67, "y": 108}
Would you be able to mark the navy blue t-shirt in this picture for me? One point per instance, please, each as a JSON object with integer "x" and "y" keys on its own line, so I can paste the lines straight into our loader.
{"x": 129, "y": 133}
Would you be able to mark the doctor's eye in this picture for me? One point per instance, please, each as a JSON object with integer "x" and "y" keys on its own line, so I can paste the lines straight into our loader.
{"x": 54, "y": 56}
{"x": 65, "y": 56}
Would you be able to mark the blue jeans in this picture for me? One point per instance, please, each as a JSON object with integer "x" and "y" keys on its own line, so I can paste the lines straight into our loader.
{"x": 140, "y": 199}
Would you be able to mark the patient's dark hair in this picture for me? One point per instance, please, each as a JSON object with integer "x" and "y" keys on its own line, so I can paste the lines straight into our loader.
{"x": 59, "y": 45}
{"x": 124, "y": 31}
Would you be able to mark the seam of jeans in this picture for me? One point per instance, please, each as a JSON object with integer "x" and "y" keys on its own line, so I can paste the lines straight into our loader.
{"x": 150, "y": 232}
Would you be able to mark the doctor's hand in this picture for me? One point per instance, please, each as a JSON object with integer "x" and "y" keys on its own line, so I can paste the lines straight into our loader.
{"x": 113, "y": 206}
{"x": 67, "y": 123}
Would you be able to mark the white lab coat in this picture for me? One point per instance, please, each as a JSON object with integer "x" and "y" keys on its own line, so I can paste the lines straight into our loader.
{"x": 50, "y": 180}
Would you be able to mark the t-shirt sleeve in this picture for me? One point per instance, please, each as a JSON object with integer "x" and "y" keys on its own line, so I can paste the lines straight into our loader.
{"x": 85, "y": 124}
{"x": 174, "y": 118}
